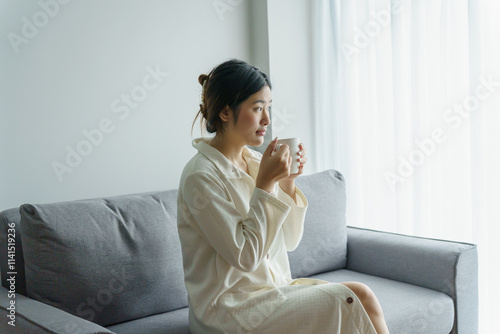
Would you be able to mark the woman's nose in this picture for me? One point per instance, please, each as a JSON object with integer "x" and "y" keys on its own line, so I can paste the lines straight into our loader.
{"x": 266, "y": 118}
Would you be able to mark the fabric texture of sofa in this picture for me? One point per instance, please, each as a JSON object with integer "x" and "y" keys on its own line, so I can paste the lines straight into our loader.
{"x": 114, "y": 265}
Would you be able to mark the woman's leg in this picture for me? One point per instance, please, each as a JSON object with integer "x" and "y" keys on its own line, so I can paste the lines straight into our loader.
{"x": 371, "y": 305}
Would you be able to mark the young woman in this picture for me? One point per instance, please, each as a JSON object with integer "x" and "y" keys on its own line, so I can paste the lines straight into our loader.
{"x": 239, "y": 212}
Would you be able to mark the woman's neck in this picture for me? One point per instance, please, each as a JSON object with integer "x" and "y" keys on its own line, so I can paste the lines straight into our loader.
{"x": 229, "y": 148}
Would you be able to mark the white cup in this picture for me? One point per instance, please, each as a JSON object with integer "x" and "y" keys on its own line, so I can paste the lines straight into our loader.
{"x": 293, "y": 144}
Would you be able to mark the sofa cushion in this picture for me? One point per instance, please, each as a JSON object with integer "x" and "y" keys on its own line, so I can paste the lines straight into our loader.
{"x": 407, "y": 308}
{"x": 324, "y": 243}
{"x": 173, "y": 322}
{"x": 105, "y": 260}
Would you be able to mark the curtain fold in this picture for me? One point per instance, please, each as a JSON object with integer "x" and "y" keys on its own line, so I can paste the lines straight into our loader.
{"x": 407, "y": 97}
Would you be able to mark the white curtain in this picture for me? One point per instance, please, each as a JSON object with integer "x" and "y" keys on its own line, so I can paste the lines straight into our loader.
{"x": 407, "y": 107}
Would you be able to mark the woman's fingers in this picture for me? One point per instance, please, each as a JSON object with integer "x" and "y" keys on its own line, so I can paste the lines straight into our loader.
{"x": 302, "y": 150}
{"x": 270, "y": 147}
{"x": 302, "y": 154}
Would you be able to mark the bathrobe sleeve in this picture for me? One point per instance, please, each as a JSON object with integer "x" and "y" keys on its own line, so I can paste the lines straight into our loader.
{"x": 242, "y": 240}
{"x": 293, "y": 227}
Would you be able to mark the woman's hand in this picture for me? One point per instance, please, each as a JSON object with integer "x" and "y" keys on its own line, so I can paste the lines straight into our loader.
{"x": 288, "y": 184}
{"x": 302, "y": 159}
{"x": 274, "y": 168}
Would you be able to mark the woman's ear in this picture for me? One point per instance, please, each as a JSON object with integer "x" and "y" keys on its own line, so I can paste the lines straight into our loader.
{"x": 226, "y": 114}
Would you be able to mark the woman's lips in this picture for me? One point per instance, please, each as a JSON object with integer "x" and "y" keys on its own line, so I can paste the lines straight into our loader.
{"x": 261, "y": 133}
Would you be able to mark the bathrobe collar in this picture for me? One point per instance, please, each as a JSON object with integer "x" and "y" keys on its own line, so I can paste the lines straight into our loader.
{"x": 224, "y": 165}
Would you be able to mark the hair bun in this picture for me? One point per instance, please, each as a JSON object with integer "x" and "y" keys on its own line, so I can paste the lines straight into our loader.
{"x": 202, "y": 78}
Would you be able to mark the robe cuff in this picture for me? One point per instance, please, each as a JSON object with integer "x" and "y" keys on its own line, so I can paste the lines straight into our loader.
{"x": 301, "y": 198}
{"x": 273, "y": 199}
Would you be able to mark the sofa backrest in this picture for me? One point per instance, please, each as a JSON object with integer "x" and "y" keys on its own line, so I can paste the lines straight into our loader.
{"x": 324, "y": 243}
{"x": 83, "y": 252}
{"x": 105, "y": 260}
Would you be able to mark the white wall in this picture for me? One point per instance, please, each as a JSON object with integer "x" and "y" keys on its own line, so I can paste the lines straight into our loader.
{"x": 71, "y": 73}
{"x": 67, "y": 75}
{"x": 291, "y": 72}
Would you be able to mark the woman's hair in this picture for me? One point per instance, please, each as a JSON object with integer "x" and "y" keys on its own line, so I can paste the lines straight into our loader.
{"x": 228, "y": 84}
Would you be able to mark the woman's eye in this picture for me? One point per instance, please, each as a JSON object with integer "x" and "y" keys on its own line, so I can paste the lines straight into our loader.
{"x": 258, "y": 109}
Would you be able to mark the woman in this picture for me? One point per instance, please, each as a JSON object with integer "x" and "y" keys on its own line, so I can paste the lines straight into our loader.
{"x": 239, "y": 214}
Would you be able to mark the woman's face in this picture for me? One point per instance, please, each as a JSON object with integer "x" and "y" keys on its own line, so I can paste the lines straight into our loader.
{"x": 253, "y": 119}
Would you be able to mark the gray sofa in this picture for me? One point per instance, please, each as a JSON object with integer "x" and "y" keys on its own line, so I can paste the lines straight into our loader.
{"x": 113, "y": 265}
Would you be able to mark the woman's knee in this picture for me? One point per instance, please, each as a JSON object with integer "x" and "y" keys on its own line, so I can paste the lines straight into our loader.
{"x": 364, "y": 294}
{"x": 370, "y": 304}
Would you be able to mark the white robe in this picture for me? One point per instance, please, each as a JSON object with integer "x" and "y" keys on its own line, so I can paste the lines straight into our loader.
{"x": 235, "y": 239}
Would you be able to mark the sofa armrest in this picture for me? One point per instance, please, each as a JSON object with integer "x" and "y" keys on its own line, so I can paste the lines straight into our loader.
{"x": 34, "y": 317}
{"x": 445, "y": 266}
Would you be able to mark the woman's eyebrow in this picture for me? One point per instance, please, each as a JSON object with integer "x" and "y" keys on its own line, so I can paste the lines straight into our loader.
{"x": 261, "y": 101}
